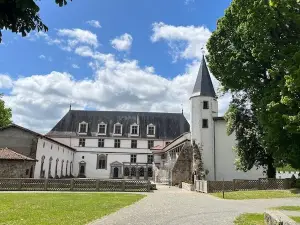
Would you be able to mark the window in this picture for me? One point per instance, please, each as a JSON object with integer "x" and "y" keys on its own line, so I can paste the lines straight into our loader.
{"x": 133, "y": 158}
{"x": 81, "y": 142}
{"x": 82, "y": 157}
{"x": 134, "y": 130}
{"x": 101, "y": 162}
{"x": 27, "y": 171}
{"x": 150, "y": 172}
{"x": 167, "y": 143}
{"x": 151, "y": 130}
{"x": 205, "y": 105}
{"x": 44, "y": 145}
{"x": 141, "y": 171}
{"x": 149, "y": 158}
{"x": 51, "y": 146}
{"x": 133, "y": 143}
{"x": 205, "y": 123}
{"x": 102, "y": 128}
{"x": 83, "y": 127}
{"x": 150, "y": 144}
{"x": 126, "y": 171}
{"x": 117, "y": 143}
{"x": 101, "y": 143}
{"x": 118, "y": 129}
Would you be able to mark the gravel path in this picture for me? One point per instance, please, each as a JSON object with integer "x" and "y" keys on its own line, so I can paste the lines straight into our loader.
{"x": 174, "y": 206}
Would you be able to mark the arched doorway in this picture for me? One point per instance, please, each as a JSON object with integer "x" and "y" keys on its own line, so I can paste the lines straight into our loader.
{"x": 116, "y": 172}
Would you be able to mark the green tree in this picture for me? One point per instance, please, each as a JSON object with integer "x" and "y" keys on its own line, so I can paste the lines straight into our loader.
{"x": 5, "y": 114}
{"x": 22, "y": 16}
{"x": 255, "y": 55}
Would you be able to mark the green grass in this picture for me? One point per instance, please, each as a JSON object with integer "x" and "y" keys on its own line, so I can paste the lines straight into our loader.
{"x": 255, "y": 219}
{"x": 289, "y": 208}
{"x": 296, "y": 218}
{"x": 60, "y": 208}
{"x": 250, "y": 219}
{"x": 239, "y": 195}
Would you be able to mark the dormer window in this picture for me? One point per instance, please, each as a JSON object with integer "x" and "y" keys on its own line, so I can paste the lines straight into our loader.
{"x": 134, "y": 130}
{"x": 150, "y": 130}
{"x": 102, "y": 128}
{"x": 83, "y": 127}
{"x": 118, "y": 129}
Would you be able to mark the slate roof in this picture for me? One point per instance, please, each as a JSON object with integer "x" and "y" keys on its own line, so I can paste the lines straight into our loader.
{"x": 8, "y": 154}
{"x": 203, "y": 83}
{"x": 167, "y": 125}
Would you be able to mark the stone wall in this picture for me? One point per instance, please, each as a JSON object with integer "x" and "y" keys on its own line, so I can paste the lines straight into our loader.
{"x": 182, "y": 169}
{"x": 16, "y": 168}
{"x": 277, "y": 218}
{"x": 19, "y": 141}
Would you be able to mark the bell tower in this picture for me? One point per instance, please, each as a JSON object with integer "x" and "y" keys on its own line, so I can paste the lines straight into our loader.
{"x": 204, "y": 107}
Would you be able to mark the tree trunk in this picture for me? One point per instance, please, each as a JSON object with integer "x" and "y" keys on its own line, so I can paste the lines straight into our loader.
{"x": 271, "y": 171}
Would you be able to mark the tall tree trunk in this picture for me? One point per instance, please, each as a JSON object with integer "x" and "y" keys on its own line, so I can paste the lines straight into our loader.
{"x": 271, "y": 170}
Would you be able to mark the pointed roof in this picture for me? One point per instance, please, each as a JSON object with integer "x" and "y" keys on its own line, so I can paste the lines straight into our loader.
{"x": 203, "y": 83}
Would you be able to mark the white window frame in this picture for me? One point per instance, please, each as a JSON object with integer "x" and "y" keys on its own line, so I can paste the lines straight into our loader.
{"x": 102, "y": 123}
{"x": 138, "y": 130}
{"x": 151, "y": 125}
{"x": 86, "y": 129}
{"x": 118, "y": 124}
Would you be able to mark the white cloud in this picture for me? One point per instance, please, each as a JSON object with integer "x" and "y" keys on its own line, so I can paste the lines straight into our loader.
{"x": 39, "y": 101}
{"x": 5, "y": 81}
{"x": 122, "y": 43}
{"x": 94, "y": 23}
{"x": 185, "y": 42}
{"x": 75, "y": 66}
{"x": 78, "y": 36}
{"x": 42, "y": 57}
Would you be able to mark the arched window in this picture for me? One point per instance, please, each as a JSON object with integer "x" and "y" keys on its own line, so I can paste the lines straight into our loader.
{"x": 62, "y": 168}
{"x": 71, "y": 167}
{"x": 150, "y": 172}
{"x": 133, "y": 171}
{"x": 67, "y": 167}
{"x": 42, "y": 174}
{"x": 101, "y": 162}
{"x": 56, "y": 165}
{"x": 49, "y": 169}
{"x": 126, "y": 171}
{"x": 141, "y": 171}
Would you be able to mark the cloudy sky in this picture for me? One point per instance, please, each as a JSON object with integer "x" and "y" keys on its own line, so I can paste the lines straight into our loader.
{"x": 107, "y": 55}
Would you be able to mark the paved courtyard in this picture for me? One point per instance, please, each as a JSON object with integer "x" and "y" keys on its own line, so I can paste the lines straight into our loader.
{"x": 174, "y": 206}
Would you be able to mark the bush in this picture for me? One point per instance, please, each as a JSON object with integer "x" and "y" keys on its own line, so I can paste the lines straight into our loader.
{"x": 293, "y": 181}
{"x": 297, "y": 184}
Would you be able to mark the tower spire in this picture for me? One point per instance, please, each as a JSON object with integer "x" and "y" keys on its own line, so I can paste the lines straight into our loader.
{"x": 204, "y": 85}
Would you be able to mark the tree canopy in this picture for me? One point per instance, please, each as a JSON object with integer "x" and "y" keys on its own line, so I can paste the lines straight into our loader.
{"x": 255, "y": 54}
{"x": 22, "y": 16}
{"x": 5, "y": 114}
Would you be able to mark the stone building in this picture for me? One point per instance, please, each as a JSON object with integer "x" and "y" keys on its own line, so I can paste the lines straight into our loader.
{"x": 53, "y": 159}
{"x": 15, "y": 165}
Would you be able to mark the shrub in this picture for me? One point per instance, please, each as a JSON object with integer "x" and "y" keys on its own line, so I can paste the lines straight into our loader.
{"x": 293, "y": 181}
{"x": 297, "y": 184}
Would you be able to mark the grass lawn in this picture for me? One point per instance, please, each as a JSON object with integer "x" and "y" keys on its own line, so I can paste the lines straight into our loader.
{"x": 250, "y": 219}
{"x": 238, "y": 195}
{"x": 255, "y": 219}
{"x": 289, "y": 208}
{"x": 60, "y": 208}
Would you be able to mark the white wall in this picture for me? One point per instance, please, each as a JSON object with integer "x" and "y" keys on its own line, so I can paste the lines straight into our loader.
{"x": 120, "y": 155}
{"x": 204, "y": 136}
{"x": 57, "y": 152}
{"x": 225, "y": 156}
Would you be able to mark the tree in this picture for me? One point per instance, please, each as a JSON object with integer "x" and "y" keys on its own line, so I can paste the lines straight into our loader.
{"x": 198, "y": 169}
{"x": 5, "y": 114}
{"x": 21, "y": 16}
{"x": 255, "y": 55}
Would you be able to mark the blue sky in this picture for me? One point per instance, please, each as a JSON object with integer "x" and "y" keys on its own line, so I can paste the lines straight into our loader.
{"x": 107, "y": 55}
